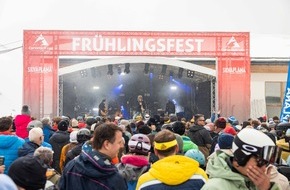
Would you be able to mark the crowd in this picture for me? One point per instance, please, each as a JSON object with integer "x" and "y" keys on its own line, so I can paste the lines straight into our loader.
{"x": 96, "y": 152}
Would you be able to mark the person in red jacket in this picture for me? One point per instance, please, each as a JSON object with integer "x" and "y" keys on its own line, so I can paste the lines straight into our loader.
{"x": 21, "y": 121}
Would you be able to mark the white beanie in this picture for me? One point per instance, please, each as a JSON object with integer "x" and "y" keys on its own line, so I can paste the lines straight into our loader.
{"x": 73, "y": 137}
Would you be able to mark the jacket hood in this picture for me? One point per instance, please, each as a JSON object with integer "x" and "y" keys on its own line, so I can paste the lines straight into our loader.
{"x": 196, "y": 128}
{"x": 174, "y": 170}
{"x": 94, "y": 164}
{"x": 7, "y": 141}
{"x": 135, "y": 160}
{"x": 22, "y": 119}
{"x": 217, "y": 167}
{"x": 132, "y": 167}
{"x": 27, "y": 148}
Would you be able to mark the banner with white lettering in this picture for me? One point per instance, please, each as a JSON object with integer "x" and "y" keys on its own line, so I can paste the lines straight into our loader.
{"x": 234, "y": 78}
{"x": 285, "y": 112}
{"x": 42, "y": 49}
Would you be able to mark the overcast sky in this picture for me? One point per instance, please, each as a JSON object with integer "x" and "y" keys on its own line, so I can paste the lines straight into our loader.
{"x": 268, "y": 22}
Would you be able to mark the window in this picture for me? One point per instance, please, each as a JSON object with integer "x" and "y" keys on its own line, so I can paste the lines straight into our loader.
{"x": 274, "y": 92}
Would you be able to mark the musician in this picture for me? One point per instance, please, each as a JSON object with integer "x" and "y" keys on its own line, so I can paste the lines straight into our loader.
{"x": 103, "y": 109}
{"x": 170, "y": 107}
{"x": 140, "y": 107}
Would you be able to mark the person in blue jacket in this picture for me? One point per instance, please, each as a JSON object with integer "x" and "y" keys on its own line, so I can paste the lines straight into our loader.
{"x": 35, "y": 140}
{"x": 47, "y": 129}
{"x": 36, "y": 123}
{"x": 9, "y": 143}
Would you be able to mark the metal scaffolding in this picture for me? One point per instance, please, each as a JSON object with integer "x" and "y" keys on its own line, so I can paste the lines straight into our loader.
{"x": 213, "y": 95}
{"x": 60, "y": 96}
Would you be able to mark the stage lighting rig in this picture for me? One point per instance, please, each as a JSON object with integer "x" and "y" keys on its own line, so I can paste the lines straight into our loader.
{"x": 119, "y": 70}
{"x": 163, "y": 70}
{"x": 127, "y": 68}
{"x": 190, "y": 73}
{"x": 180, "y": 73}
{"x": 110, "y": 70}
{"x": 146, "y": 68}
{"x": 84, "y": 73}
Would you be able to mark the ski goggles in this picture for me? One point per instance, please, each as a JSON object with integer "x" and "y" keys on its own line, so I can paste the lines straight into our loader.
{"x": 268, "y": 155}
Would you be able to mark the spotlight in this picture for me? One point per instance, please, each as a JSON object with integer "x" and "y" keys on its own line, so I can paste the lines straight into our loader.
{"x": 127, "y": 68}
{"x": 120, "y": 86}
{"x": 146, "y": 68}
{"x": 110, "y": 70}
{"x": 119, "y": 70}
{"x": 173, "y": 87}
{"x": 163, "y": 72}
{"x": 190, "y": 73}
{"x": 180, "y": 73}
{"x": 84, "y": 73}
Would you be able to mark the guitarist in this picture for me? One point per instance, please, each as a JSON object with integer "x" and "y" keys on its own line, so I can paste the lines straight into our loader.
{"x": 103, "y": 109}
{"x": 140, "y": 108}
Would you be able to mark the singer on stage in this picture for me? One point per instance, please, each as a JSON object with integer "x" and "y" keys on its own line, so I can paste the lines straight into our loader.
{"x": 140, "y": 107}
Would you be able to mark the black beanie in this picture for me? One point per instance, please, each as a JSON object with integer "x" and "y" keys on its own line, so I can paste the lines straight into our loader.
{"x": 28, "y": 173}
{"x": 25, "y": 110}
{"x": 151, "y": 121}
{"x": 144, "y": 129}
{"x": 62, "y": 125}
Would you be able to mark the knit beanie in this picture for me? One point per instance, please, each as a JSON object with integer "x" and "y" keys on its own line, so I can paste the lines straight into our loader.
{"x": 178, "y": 127}
{"x": 34, "y": 124}
{"x": 151, "y": 121}
{"x": 90, "y": 121}
{"x": 28, "y": 173}
{"x": 62, "y": 125}
{"x": 144, "y": 129}
{"x": 73, "y": 137}
{"x": 231, "y": 119}
{"x": 221, "y": 122}
{"x": 230, "y": 130}
{"x": 74, "y": 123}
{"x": 124, "y": 122}
{"x": 225, "y": 141}
{"x": 272, "y": 124}
{"x": 25, "y": 110}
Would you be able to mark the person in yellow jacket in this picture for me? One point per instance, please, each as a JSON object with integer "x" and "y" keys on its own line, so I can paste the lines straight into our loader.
{"x": 73, "y": 143}
{"x": 284, "y": 145}
{"x": 283, "y": 142}
{"x": 171, "y": 169}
